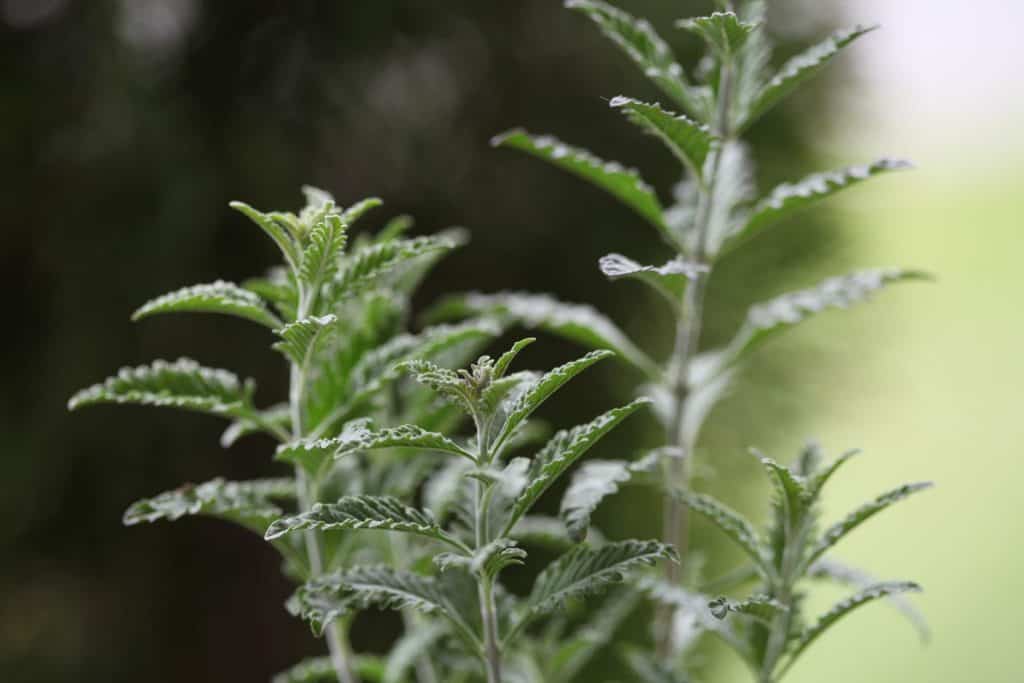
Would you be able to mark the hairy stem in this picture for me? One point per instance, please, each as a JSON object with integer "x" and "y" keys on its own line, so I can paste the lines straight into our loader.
{"x": 485, "y": 583}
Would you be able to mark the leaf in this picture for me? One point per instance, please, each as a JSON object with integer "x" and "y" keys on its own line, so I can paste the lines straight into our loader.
{"x": 688, "y": 140}
{"x": 625, "y": 184}
{"x": 179, "y": 384}
{"x": 793, "y": 492}
{"x": 300, "y": 338}
{"x": 244, "y": 502}
{"x": 359, "y": 209}
{"x": 865, "y": 512}
{"x": 565, "y": 448}
{"x": 275, "y": 421}
{"x": 215, "y": 297}
{"x": 731, "y": 523}
{"x": 321, "y": 670}
{"x": 856, "y": 578}
{"x": 380, "y": 513}
{"x": 403, "y": 436}
{"x": 543, "y": 388}
{"x": 817, "y": 482}
{"x": 638, "y": 39}
{"x": 789, "y": 198}
{"x": 488, "y": 560}
{"x": 505, "y": 360}
{"x": 669, "y": 280}
{"x": 327, "y": 240}
{"x": 273, "y": 228}
{"x": 799, "y": 69}
{"x": 783, "y": 312}
{"x": 723, "y": 31}
{"x": 311, "y": 453}
{"x": 647, "y": 669}
{"x": 363, "y": 267}
{"x": 593, "y": 482}
{"x": 760, "y": 607}
{"x": 578, "y": 322}
{"x": 584, "y": 571}
{"x": 415, "y": 644}
{"x": 587, "y": 641}
{"x": 841, "y": 609}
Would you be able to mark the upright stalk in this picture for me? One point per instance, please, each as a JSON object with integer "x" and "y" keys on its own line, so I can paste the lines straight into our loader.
{"x": 485, "y": 582}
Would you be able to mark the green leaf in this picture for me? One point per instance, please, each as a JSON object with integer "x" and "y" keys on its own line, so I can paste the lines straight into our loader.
{"x": 311, "y": 453}
{"x": 274, "y": 229}
{"x": 248, "y": 503}
{"x": 625, "y": 184}
{"x": 789, "y": 198}
{"x": 648, "y": 51}
{"x": 688, "y": 140}
{"x": 723, "y": 31}
{"x": 584, "y": 571}
{"x": 275, "y": 421}
{"x": 543, "y": 388}
{"x": 760, "y": 607}
{"x": 799, "y": 69}
{"x": 300, "y": 338}
{"x": 505, "y": 360}
{"x": 594, "y": 481}
{"x": 488, "y": 560}
{"x": 577, "y": 322}
{"x": 403, "y": 436}
{"x": 794, "y": 494}
{"x": 379, "y": 513}
{"x": 669, "y": 280}
{"x": 731, "y": 523}
{"x": 180, "y": 384}
{"x": 365, "y": 266}
{"x": 215, "y": 297}
{"x": 321, "y": 670}
{"x": 817, "y": 482}
{"x": 841, "y": 609}
{"x": 327, "y": 241}
{"x": 565, "y": 448}
{"x": 353, "y": 213}
{"x": 856, "y": 578}
{"x": 865, "y": 512}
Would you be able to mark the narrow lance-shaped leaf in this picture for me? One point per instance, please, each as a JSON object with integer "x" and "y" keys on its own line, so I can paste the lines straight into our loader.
{"x": 688, "y": 140}
{"x": 791, "y": 488}
{"x": 403, "y": 436}
{"x": 319, "y": 261}
{"x": 246, "y": 502}
{"x": 799, "y": 69}
{"x": 669, "y": 280}
{"x": 731, "y": 523}
{"x": 818, "y": 480}
{"x": 363, "y": 267}
{"x": 865, "y": 512}
{"x": 179, "y": 384}
{"x": 760, "y": 607}
{"x": 215, "y": 297}
{"x": 723, "y": 31}
{"x": 625, "y": 184}
{"x": 789, "y": 198}
{"x": 273, "y": 229}
{"x": 648, "y": 51}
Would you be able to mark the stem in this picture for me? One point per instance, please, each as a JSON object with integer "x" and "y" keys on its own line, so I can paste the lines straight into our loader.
{"x": 675, "y": 529}
{"x": 485, "y": 585}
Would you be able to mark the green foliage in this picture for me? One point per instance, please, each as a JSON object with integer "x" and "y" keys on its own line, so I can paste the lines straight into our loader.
{"x": 689, "y": 141}
{"x": 216, "y": 297}
{"x": 250, "y": 503}
{"x": 723, "y": 32}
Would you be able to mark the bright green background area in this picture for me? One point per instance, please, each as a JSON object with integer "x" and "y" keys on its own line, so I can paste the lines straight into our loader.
{"x": 930, "y": 390}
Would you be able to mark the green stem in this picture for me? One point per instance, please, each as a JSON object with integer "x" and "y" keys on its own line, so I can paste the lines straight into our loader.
{"x": 485, "y": 583}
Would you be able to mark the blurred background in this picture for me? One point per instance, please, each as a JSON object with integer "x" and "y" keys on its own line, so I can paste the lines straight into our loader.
{"x": 126, "y": 127}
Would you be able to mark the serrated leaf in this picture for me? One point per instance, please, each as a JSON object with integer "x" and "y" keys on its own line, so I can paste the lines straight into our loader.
{"x": 273, "y": 228}
{"x": 488, "y": 560}
{"x": 565, "y": 448}
{"x": 793, "y": 492}
{"x": 648, "y": 51}
{"x": 403, "y": 436}
{"x": 790, "y": 198}
{"x": 731, "y": 523}
{"x": 365, "y": 266}
{"x": 215, "y": 297}
{"x": 300, "y": 338}
{"x": 505, "y": 360}
{"x": 379, "y": 513}
{"x": 838, "y": 531}
{"x": 584, "y": 571}
{"x": 799, "y": 69}
{"x": 245, "y": 502}
{"x": 275, "y": 421}
{"x": 625, "y": 184}
{"x": 311, "y": 453}
{"x": 543, "y": 388}
{"x": 578, "y": 322}
{"x": 592, "y": 483}
{"x": 669, "y": 280}
{"x": 688, "y": 140}
{"x": 353, "y": 213}
{"x": 723, "y": 31}
{"x": 319, "y": 260}
{"x": 180, "y": 384}
{"x": 760, "y": 607}
{"x": 841, "y": 609}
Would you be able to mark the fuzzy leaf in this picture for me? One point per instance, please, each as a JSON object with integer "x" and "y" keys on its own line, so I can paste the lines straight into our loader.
{"x": 760, "y": 607}
{"x": 688, "y": 140}
{"x": 300, "y": 338}
{"x": 799, "y": 69}
{"x": 565, "y": 448}
{"x": 789, "y": 198}
{"x": 865, "y": 512}
{"x": 327, "y": 240}
{"x": 584, "y": 571}
{"x": 669, "y": 280}
{"x": 730, "y": 522}
{"x": 792, "y": 489}
{"x": 403, "y": 436}
{"x": 505, "y": 360}
{"x": 625, "y": 184}
{"x": 179, "y": 384}
{"x": 353, "y": 213}
{"x": 578, "y": 322}
{"x": 594, "y": 481}
{"x": 275, "y": 421}
{"x": 638, "y": 39}
{"x": 723, "y": 31}
{"x": 841, "y": 609}
{"x": 363, "y": 267}
{"x": 273, "y": 228}
{"x": 245, "y": 502}
{"x": 215, "y": 297}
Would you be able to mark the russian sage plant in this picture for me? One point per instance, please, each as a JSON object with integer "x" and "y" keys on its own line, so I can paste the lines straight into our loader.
{"x": 715, "y": 211}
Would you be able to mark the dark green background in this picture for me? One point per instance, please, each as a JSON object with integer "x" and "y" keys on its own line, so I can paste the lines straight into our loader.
{"x": 125, "y": 128}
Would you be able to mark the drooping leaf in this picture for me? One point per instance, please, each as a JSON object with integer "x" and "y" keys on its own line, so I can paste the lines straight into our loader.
{"x": 275, "y": 421}
{"x": 841, "y": 609}
{"x": 319, "y": 260}
{"x": 625, "y": 184}
{"x": 249, "y": 503}
{"x": 565, "y": 448}
{"x": 789, "y": 198}
{"x": 669, "y": 280}
{"x": 274, "y": 229}
{"x": 180, "y": 384}
{"x": 760, "y": 607}
{"x": 577, "y": 322}
{"x": 215, "y": 297}
{"x": 688, "y": 140}
{"x": 723, "y": 31}
{"x": 648, "y": 51}
{"x": 731, "y": 523}
{"x": 839, "y": 530}
{"x": 594, "y": 481}
{"x": 799, "y": 69}
{"x": 300, "y": 338}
